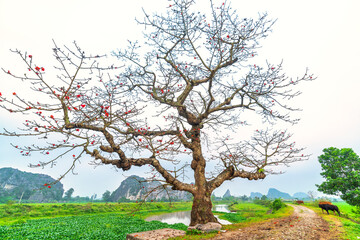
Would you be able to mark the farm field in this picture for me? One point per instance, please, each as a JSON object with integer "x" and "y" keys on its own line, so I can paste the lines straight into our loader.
{"x": 116, "y": 220}
{"x": 82, "y": 221}
{"x": 102, "y": 220}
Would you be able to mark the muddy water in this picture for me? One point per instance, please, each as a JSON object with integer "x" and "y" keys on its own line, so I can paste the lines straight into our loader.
{"x": 184, "y": 217}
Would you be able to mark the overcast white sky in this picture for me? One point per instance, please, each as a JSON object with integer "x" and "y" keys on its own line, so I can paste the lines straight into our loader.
{"x": 322, "y": 35}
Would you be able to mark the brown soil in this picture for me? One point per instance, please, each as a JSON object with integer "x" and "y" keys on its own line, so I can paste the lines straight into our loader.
{"x": 303, "y": 224}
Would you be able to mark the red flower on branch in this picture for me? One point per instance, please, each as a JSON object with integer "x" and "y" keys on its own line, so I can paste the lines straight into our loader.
{"x": 30, "y": 56}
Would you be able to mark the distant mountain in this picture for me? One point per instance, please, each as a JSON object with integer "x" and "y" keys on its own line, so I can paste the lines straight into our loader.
{"x": 15, "y": 183}
{"x": 301, "y": 195}
{"x": 274, "y": 193}
{"x": 135, "y": 187}
{"x": 227, "y": 194}
{"x": 255, "y": 194}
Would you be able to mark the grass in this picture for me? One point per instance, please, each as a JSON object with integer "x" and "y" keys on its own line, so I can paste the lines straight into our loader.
{"x": 246, "y": 214}
{"x": 111, "y": 220}
{"x": 250, "y": 212}
{"x": 10, "y": 214}
{"x": 350, "y": 230}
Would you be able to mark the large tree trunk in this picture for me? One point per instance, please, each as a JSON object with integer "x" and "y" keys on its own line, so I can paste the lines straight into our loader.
{"x": 201, "y": 209}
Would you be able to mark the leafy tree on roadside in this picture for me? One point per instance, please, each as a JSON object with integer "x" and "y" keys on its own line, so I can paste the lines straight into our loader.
{"x": 177, "y": 97}
{"x": 341, "y": 170}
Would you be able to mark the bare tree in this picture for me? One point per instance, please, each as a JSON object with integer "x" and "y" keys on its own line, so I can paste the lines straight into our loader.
{"x": 174, "y": 99}
{"x": 312, "y": 195}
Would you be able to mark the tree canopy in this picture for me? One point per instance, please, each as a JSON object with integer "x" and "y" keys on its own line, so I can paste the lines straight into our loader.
{"x": 178, "y": 95}
{"x": 341, "y": 170}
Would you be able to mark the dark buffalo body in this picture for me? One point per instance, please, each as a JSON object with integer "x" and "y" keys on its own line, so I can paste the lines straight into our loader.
{"x": 328, "y": 207}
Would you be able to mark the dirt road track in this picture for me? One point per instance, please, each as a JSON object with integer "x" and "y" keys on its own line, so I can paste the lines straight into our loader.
{"x": 304, "y": 224}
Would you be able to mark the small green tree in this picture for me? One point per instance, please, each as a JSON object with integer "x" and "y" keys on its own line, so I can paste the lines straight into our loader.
{"x": 341, "y": 170}
{"x": 106, "y": 196}
{"x": 263, "y": 197}
{"x": 68, "y": 194}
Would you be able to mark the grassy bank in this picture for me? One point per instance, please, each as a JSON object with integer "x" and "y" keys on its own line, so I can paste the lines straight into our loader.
{"x": 245, "y": 214}
{"x": 350, "y": 229}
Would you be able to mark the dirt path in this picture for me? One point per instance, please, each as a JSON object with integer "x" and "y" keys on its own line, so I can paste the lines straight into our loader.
{"x": 304, "y": 224}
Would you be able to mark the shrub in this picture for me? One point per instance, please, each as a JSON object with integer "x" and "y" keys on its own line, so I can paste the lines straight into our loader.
{"x": 277, "y": 204}
{"x": 266, "y": 203}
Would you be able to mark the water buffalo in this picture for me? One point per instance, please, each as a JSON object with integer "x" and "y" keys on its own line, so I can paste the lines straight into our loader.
{"x": 325, "y": 206}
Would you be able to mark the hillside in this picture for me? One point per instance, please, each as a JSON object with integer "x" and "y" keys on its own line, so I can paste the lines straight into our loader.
{"x": 135, "y": 187}
{"x": 15, "y": 183}
{"x": 274, "y": 193}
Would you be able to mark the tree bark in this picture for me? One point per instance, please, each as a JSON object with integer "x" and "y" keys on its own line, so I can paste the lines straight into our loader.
{"x": 201, "y": 211}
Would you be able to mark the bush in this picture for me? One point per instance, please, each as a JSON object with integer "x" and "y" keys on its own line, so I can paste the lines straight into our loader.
{"x": 266, "y": 203}
{"x": 277, "y": 204}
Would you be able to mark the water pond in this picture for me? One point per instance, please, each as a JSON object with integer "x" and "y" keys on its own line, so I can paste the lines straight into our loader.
{"x": 184, "y": 217}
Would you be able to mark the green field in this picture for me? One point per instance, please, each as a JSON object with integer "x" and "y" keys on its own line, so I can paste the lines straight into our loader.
{"x": 115, "y": 220}
{"x": 104, "y": 220}
{"x": 82, "y": 221}
{"x": 13, "y": 213}
{"x": 351, "y": 229}
{"x": 93, "y": 226}
{"x": 250, "y": 212}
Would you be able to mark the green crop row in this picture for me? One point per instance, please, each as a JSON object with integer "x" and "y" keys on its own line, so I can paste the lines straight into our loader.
{"x": 95, "y": 226}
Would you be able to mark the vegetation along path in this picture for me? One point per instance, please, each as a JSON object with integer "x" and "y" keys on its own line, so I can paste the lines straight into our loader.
{"x": 303, "y": 224}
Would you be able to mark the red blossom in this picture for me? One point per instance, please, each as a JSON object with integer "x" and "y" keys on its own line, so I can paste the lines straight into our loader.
{"x": 14, "y": 93}
{"x": 73, "y": 155}
{"x": 47, "y": 153}
{"x": 42, "y": 69}
{"x": 37, "y": 68}
{"x": 49, "y": 186}
{"x": 30, "y": 56}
